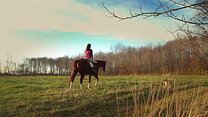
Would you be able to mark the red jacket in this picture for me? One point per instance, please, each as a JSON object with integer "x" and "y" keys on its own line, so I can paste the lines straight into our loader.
{"x": 88, "y": 54}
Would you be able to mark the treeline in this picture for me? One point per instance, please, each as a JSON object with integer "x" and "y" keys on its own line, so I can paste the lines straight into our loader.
{"x": 174, "y": 57}
{"x": 180, "y": 56}
{"x": 39, "y": 66}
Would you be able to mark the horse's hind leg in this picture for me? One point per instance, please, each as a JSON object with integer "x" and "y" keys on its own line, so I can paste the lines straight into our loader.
{"x": 71, "y": 83}
{"x": 81, "y": 80}
{"x": 72, "y": 79}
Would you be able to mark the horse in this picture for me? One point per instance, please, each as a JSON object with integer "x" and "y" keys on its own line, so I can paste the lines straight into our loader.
{"x": 83, "y": 67}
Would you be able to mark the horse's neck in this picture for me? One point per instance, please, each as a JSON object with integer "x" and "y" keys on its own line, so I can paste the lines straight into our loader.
{"x": 99, "y": 63}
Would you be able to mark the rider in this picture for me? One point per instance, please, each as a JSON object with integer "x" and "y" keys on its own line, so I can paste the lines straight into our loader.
{"x": 89, "y": 56}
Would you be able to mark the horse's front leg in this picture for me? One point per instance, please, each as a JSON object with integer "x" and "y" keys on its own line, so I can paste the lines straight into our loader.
{"x": 97, "y": 79}
{"x": 89, "y": 80}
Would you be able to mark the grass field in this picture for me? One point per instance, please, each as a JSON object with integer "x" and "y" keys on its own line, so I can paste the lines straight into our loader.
{"x": 139, "y": 96}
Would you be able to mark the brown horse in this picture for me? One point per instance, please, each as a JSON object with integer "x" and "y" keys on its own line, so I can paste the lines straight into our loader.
{"x": 83, "y": 67}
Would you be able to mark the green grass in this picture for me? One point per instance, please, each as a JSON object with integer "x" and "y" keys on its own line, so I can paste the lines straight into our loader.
{"x": 114, "y": 96}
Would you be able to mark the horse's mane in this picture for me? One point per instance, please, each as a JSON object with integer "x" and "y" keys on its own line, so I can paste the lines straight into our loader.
{"x": 100, "y": 60}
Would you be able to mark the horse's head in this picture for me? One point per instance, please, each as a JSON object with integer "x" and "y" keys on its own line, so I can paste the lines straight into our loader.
{"x": 101, "y": 64}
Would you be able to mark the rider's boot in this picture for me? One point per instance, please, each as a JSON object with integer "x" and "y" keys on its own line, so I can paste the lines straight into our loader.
{"x": 95, "y": 67}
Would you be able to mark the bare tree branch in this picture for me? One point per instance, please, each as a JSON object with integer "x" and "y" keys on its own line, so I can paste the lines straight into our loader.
{"x": 168, "y": 12}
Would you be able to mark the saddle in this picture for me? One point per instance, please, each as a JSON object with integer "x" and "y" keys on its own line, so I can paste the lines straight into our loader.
{"x": 93, "y": 65}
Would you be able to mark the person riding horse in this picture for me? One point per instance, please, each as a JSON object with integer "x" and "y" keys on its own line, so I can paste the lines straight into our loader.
{"x": 89, "y": 56}
{"x": 83, "y": 67}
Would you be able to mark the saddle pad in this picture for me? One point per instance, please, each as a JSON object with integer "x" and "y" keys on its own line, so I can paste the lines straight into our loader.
{"x": 91, "y": 64}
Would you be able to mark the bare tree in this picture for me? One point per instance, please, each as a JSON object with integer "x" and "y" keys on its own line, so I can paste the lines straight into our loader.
{"x": 66, "y": 64}
{"x": 52, "y": 63}
{"x": 44, "y": 65}
{"x": 25, "y": 67}
{"x": 8, "y": 61}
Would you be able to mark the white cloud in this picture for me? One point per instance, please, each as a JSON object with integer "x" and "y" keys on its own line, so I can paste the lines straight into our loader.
{"x": 39, "y": 15}
{"x": 69, "y": 16}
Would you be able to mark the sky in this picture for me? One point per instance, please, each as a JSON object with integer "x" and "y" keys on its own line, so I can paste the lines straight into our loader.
{"x": 55, "y": 28}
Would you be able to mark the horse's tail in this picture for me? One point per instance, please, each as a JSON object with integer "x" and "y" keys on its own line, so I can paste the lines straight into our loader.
{"x": 74, "y": 72}
{"x": 75, "y": 65}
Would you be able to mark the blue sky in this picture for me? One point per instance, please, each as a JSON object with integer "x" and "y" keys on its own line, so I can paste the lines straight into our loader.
{"x": 54, "y": 28}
